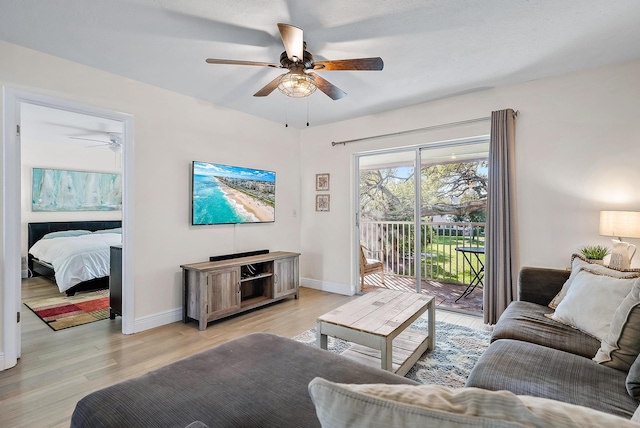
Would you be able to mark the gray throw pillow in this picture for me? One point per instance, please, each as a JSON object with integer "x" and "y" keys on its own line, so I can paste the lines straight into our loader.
{"x": 633, "y": 379}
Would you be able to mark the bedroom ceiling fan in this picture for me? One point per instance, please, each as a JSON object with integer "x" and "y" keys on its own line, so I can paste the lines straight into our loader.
{"x": 300, "y": 81}
{"x": 113, "y": 141}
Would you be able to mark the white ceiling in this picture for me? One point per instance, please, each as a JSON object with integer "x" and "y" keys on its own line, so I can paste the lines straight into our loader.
{"x": 44, "y": 124}
{"x": 431, "y": 48}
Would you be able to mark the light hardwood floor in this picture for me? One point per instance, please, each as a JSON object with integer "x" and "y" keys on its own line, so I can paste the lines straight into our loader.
{"x": 58, "y": 368}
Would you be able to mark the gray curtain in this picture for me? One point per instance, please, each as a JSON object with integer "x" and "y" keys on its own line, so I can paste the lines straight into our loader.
{"x": 501, "y": 241}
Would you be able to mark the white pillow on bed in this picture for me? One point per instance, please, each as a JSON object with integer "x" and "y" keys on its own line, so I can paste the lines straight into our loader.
{"x": 65, "y": 233}
{"x": 114, "y": 230}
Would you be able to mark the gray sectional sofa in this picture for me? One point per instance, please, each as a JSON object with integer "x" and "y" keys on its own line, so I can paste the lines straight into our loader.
{"x": 531, "y": 354}
{"x": 258, "y": 380}
{"x": 264, "y": 380}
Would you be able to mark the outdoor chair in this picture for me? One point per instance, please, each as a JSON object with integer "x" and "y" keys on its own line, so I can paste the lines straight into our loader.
{"x": 370, "y": 265}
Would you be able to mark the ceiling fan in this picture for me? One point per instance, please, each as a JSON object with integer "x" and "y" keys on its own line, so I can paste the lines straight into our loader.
{"x": 114, "y": 141}
{"x": 301, "y": 81}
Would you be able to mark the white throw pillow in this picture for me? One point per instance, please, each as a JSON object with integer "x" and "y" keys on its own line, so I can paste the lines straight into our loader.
{"x": 577, "y": 263}
{"x": 378, "y": 405}
{"x": 592, "y": 301}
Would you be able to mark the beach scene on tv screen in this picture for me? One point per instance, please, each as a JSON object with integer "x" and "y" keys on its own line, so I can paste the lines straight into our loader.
{"x": 231, "y": 194}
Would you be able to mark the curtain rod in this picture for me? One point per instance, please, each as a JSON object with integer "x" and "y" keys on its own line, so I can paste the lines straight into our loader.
{"x": 410, "y": 131}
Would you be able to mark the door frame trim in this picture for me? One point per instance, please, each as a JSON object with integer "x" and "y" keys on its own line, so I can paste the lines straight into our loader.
{"x": 11, "y": 218}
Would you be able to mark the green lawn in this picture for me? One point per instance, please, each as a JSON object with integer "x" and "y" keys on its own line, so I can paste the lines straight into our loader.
{"x": 441, "y": 260}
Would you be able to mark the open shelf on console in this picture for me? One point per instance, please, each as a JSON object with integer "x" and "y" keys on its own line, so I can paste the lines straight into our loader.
{"x": 252, "y": 278}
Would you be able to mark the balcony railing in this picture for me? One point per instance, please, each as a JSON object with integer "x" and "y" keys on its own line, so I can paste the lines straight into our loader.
{"x": 439, "y": 259}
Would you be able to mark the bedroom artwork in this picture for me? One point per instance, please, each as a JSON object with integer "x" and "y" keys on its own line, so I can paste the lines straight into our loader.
{"x": 64, "y": 190}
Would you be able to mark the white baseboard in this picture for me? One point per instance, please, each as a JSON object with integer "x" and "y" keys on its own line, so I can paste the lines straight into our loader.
{"x": 157, "y": 320}
{"x": 331, "y": 287}
{"x": 2, "y": 367}
{"x": 175, "y": 315}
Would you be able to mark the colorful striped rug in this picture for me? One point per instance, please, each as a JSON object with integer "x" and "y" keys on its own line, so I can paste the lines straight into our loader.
{"x": 70, "y": 311}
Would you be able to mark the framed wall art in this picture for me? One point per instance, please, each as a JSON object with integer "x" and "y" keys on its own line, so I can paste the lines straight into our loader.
{"x": 63, "y": 190}
{"x": 322, "y": 202}
{"x": 322, "y": 182}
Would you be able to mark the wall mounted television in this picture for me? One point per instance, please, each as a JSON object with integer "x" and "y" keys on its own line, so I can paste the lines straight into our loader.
{"x": 223, "y": 194}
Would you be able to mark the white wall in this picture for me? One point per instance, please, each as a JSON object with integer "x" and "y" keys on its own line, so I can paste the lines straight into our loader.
{"x": 577, "y": 153}
{"x": 38, "y": 154}
{"x": 171, "y": 130}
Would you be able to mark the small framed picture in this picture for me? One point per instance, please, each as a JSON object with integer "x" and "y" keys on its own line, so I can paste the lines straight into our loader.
{"x": 322, "y": 182}
{"x": 322, "y": 202}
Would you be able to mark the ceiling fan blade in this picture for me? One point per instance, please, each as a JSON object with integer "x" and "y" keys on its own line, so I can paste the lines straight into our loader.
{"x": 292, "y": 38}
{"x": 89, "y": 139}
{"x": 234, "y": 62}
{"x": 268, "y": 88}
{"x": 350, "y": 64}
{"x": 328, "y": 88}
{"x": 98, "y": 145}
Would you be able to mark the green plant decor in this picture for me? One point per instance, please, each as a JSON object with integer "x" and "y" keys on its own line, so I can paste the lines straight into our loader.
{"x": 594, "y": 252}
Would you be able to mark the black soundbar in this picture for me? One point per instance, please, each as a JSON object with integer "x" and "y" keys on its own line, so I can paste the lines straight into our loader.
{"x": 237, "y": 255}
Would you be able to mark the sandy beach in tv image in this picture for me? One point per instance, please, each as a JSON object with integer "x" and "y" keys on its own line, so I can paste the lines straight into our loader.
{"x": 229, "y": 194}
{"x": 248, "y": 206}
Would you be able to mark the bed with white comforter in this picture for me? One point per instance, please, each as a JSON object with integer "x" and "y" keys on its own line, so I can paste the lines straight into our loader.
{"x": 76, "y": 259}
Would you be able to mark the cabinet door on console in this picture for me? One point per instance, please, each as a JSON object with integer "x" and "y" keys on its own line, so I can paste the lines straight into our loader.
{"x": 286, "y": 279}
{"x": 223, "y": 292}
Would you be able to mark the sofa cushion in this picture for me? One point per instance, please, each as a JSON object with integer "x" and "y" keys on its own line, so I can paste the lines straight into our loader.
{"x": 258, "y": 380}
{"x": 592, "y": 301}
{"x": 540, "y": 285}
{"x": 578, "y": 262}
{"x": 529, "y": 369}
{"x": 621, "y": 346}
{"x": 527, "y": 322}
{"x": 345, "y": 405}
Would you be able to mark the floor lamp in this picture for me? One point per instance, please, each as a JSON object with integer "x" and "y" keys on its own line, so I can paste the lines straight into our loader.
{"x": 621, "y": 224}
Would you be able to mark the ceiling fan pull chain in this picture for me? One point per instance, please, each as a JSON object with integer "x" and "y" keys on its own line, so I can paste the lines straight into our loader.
{"x": 307, "y": 111}
{"x": 286, "y": 113}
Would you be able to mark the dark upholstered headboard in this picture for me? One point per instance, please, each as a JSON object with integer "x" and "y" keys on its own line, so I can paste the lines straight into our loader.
{"x": 38, "y": 230}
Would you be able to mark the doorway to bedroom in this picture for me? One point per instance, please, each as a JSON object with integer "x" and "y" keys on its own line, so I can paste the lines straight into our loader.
{"x": 71, "y": 190}
{"x": 53, "y": 134}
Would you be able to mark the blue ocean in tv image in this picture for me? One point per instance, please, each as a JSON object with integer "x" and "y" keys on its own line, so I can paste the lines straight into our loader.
{"x": 210, "y": 205}
{"x": 228, "y": 194}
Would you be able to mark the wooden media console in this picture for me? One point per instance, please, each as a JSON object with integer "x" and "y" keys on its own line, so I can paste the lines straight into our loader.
{"x": 214, "y": 290}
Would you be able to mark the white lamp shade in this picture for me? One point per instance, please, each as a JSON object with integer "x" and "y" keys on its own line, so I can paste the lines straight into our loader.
{"x": 620, "y": 223}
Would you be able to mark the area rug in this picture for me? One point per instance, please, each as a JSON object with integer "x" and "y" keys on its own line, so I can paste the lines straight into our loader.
{"x": 71, "y": 311}
{"x": 457, "y": 350}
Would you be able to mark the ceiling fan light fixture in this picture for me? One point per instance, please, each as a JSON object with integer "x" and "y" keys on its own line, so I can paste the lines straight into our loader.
{"x": 297, "y": 85}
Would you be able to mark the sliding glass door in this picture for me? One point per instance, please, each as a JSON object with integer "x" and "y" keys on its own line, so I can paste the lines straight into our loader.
{"x": 426, "y": 225}
{"x": 386, "y": 218}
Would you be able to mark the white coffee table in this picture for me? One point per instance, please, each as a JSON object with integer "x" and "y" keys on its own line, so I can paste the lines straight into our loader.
{"x": 379, "y": 320}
